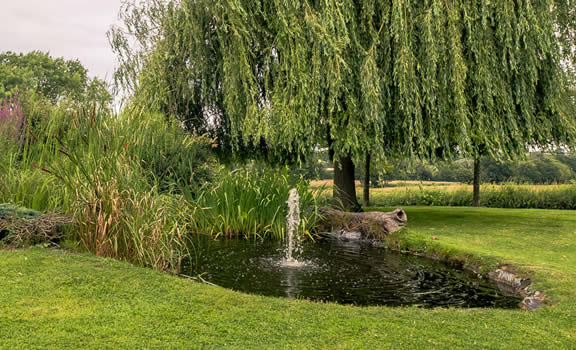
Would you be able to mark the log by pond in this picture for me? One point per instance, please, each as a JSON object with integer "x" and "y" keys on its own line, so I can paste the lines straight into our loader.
{"x": 367, "y": 225}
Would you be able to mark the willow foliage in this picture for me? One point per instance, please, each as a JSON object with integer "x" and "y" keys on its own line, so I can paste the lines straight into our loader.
{"x": 394, "y": 77}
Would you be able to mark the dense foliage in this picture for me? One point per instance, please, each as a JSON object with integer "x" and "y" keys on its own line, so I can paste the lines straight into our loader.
{"x": 138, "y": 186}
{"x": 106, "y": 172}
{"x": 12, "y": 122}
{"x": 250, "y": 203}
{"x": 390, "y": 78}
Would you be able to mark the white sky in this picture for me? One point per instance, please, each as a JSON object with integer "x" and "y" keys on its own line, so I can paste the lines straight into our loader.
{"x": 73, "y": 29}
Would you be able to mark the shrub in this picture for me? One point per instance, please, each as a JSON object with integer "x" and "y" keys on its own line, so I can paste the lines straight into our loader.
{"x": 12, "y": 121}
{"x": 12, "y": 127}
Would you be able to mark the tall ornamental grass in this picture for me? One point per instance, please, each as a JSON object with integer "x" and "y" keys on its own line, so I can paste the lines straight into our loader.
{"x": 107, "y": 172}
{"x": 494, "y": 196}
{"x": 252, "y": 203}
{"x": 12, "y": 128}
{"x": 136, "y": 186}
{"x": 12, "y": 121}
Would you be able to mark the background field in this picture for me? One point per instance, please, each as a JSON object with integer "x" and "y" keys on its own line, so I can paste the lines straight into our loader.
{"x": 431, "y": 193}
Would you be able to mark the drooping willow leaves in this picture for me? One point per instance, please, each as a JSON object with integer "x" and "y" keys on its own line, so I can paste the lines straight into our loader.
{"x": 393, "y": 77}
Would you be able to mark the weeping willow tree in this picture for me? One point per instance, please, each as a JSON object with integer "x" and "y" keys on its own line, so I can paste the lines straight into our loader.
{"x": 390, "y": 78}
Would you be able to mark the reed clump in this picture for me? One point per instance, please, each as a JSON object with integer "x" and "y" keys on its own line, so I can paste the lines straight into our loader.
{"x": 135, "y": 186}
{"x": 252, "y": 203}
{"x": 110, "y": 174}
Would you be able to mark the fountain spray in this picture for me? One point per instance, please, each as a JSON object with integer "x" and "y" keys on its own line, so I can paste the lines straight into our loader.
{"x": 292, "y": 224}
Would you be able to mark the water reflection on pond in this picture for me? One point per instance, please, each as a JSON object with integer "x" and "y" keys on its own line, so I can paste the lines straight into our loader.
{"x": 343, "y": 272}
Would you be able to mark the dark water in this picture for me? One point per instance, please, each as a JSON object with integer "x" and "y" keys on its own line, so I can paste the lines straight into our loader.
{"x": 342, "y": 272}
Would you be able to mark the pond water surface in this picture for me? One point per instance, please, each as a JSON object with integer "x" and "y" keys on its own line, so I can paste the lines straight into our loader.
{"x": 342, "y": 272}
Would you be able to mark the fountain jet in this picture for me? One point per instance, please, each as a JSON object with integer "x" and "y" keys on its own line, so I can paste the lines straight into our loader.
{"x": 292, "y": 224}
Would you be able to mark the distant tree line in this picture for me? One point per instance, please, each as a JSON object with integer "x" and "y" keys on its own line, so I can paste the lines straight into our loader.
{"x": 39, "y": 76}
{"x": 535, "y": 168}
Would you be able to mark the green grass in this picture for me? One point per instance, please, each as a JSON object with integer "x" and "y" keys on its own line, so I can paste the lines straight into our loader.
{"x": 54, "y": 299}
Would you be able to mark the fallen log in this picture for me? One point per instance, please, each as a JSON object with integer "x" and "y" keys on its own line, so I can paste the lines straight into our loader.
{"x": 358, "y": 226}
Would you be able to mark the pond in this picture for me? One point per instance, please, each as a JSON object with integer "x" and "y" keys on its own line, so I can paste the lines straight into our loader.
{"x": 341, "y": 272}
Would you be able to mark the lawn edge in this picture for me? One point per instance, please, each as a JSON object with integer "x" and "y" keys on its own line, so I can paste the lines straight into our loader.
{"x": 509, "y": 278}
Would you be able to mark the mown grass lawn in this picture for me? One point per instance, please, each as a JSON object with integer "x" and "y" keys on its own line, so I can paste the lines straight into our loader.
{"x": 55, "y": 299}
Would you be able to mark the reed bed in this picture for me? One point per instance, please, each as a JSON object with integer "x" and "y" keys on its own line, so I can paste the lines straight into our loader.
{"x": 252, "y": 204}
{"x": 137, "y": 187}
{"x": 119, "y": 178}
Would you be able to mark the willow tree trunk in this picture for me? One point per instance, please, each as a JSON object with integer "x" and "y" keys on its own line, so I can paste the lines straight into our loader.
{"x": 344, "y": 184}
{"x": 367, "y": 180}
{"x": 476, "y": 195}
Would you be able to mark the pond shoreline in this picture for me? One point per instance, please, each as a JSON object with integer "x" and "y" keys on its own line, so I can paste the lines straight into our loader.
{"x": 505, "y": 275}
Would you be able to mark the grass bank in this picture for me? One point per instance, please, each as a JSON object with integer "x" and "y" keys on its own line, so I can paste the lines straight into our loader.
{"x": 54, "y": 299}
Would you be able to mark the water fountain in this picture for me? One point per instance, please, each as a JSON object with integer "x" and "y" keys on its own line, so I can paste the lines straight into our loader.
{"x": 292, "y": 224}
{"x": 335, "y": 270}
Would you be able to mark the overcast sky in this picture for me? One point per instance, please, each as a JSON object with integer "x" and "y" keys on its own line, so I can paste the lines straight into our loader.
{"x": 66, "y": 28}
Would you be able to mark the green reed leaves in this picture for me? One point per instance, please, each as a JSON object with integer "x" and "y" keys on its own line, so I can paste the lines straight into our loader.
{"x": 251, "y": 203}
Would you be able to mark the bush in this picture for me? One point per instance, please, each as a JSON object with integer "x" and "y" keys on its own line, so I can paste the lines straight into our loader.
{"x": 12, "y": 127}
{"x": 537, "y": 168}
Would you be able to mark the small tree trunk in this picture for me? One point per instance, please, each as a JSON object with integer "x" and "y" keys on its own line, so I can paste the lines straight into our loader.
{"x": 344, "y": 184}
{"x": 476, "y": 195}
{"x": 367, "y": 181}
